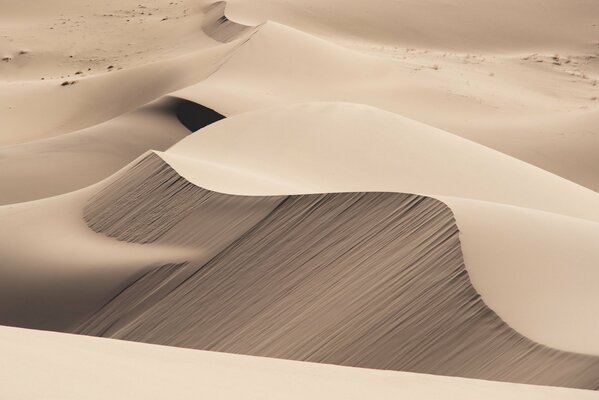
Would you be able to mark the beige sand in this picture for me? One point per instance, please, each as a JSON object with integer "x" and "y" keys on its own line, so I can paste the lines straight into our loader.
{"x": 85, "y": 88}
{"x": 372, "y": 280}
{"x": 59, "y": 366}
{"x": 529, "y": 105}
{"x": 329, "y": 147}
{"x": 81, "y": 158}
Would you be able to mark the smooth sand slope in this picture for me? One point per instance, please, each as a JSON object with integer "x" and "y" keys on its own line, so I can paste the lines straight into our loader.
{"x": 104, "y": 86}
{"x": 65, "y": 367}
{"x": 464, "y": 25}
{"x": 540, "y": 107}
{"x": 78, "y": 159}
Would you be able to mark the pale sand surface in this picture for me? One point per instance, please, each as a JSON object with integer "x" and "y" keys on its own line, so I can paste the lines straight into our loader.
{"x": 81, "y": 158}
{"x": 335, "y": 96}
{"x": 74, "y": 367}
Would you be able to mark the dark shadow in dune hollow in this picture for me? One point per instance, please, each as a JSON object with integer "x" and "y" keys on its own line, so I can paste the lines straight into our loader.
{"x": 195, "y": 116}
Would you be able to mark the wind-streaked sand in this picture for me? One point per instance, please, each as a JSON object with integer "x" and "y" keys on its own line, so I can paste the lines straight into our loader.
{"x": 273, "y": 231}
{"x": 371, "y": 280}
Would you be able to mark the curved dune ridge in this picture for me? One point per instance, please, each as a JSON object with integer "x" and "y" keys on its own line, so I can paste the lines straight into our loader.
{"x": 399, "y": 185}
{"x": 541, "y": 249}
{"x": 372, "y": 280}
{"x": 81, "y": 158}
{"x": 512, "y": 111}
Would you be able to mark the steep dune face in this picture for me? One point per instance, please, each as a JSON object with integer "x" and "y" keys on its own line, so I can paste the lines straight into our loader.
{"x": 373, "y": 280}
{"x": 546, "y": 261}
{"x": 54, "y": 270}
{"x": 38, "y": 364}
{"x": 84, "y": 157}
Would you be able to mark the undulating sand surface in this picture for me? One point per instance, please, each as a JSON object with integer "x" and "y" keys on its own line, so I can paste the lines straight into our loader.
{"x": 65, "y": 367}
{"x": 389, "y": 185}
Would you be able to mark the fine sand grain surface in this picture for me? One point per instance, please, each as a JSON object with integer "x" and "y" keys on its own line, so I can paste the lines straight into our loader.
{"x": 101, "y": 368}
{"x": 403, "y": 185}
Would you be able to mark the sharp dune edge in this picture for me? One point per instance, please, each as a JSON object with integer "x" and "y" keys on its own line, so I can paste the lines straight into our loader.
{"x": 371, "y": 280}
{"x": 81, "y": 158}
{"x": 328, "y": 147}
{"x": 409, "y": 186}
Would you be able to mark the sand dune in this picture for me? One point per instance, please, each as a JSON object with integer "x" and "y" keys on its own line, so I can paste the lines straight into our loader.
{"x": 329, "y": 147}
{"x": 455, "y": 24}
{"x": 81, "y": 158}
{"x": 69, "y": 271}
{"x": 399, "y": 185}
{"x": 48, "y": 360}
{"x": 372, "y": 280}
{"x": 494, "y": 99}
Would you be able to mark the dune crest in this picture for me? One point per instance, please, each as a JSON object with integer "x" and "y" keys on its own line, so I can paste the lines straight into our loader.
{"x": 219, "y": 27}
{"x": 373, "y": 280}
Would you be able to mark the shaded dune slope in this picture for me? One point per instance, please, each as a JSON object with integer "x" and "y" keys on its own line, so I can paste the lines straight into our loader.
{"x": 545, "y": 260}
{"x": 373, "y": 280}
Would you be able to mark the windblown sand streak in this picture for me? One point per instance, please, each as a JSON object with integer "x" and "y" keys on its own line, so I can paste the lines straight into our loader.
{"x": 374, "y": 280}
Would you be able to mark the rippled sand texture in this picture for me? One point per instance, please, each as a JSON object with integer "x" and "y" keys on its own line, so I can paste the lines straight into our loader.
{"x": 373, "y": 280}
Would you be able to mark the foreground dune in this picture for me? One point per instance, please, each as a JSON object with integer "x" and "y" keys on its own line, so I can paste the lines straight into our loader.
{"x": 73, "y": 367}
